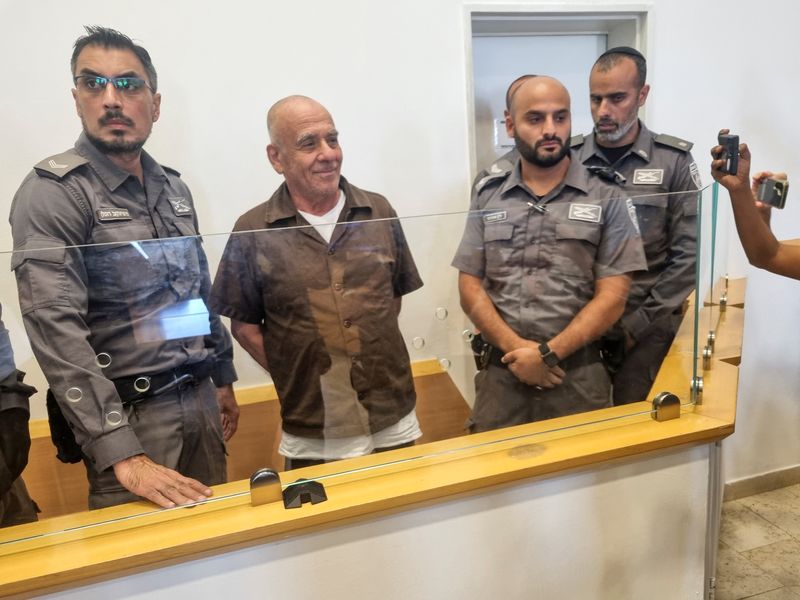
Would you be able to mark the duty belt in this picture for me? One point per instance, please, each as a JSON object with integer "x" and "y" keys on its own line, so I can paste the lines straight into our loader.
{"x": 136, "y": 389}
{"x": 486, "y": 354}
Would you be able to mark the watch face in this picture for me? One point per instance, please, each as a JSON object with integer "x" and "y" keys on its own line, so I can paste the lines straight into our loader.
{"x": 549, "y": 357}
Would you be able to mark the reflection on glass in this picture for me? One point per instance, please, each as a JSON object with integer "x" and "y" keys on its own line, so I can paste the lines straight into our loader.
{"x": 319, "y": 317}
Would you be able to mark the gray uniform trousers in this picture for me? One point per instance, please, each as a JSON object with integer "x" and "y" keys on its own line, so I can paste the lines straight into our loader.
{"x": 180, "y": 429}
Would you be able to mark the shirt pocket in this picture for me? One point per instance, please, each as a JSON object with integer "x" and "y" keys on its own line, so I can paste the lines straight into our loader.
{"x": 498, "y": 244}
{"x": 40, "y": 267}
{"x": 576, "y": 249}
{"x": 651, "y": 213}
{"x": 123, "y": 263}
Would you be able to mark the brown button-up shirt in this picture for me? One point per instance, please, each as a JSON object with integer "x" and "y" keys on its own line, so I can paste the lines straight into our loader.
{"x": 316, "y": 299}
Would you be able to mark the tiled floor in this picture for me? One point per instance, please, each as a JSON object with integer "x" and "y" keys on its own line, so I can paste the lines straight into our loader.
{"x": 759, "y": 550}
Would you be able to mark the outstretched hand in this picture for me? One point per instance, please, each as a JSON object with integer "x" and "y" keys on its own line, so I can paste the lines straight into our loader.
{"x": 154, "y": 482}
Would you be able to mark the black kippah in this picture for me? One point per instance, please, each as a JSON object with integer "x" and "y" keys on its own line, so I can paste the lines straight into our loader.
{"x": 623, "y": 50}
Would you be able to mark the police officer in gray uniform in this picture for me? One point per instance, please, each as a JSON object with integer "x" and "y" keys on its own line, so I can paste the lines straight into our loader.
{"x": 113, "y": 284}
{"x": 544, "y": 270}
{"x": 16, "y": 506}
{"x": 658, "y": 173}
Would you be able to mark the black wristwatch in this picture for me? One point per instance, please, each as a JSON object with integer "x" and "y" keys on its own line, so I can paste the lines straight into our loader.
{"x": 549, "y": 357}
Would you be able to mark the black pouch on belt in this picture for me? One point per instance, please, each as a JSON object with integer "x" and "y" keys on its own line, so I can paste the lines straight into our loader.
{"x": 612, "y": 351}
{"x": 480, "y": 351}
{"x": 68, "y": 450}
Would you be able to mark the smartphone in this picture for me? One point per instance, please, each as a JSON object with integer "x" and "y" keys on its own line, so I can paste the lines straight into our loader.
{"x": 773, "y": 192}
{"x": 730, "y": 152}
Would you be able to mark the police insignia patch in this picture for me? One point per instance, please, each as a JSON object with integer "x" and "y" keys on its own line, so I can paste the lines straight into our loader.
{"x": 180, "y": 205}
{"x": 648, "y": 176}
{"x": 590, "y": 213}
{"x": 695, "y": 173}
{"x": 495, "y": 217}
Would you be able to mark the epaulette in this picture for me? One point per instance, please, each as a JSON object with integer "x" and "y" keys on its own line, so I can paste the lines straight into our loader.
{"x": 58, "y": 165}
{"x": 576, "y": 140}
{"x": 171, "y": 170}
{"x": 499, "y": 169}
{"x": 489, "y": 177}
{"x": 673, "y": 142}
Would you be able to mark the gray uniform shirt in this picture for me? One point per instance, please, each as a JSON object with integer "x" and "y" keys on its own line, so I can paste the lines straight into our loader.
{"x": 539, "y": 258}
{"x": 662, "y": 181}
{"x": 105, "y": 292}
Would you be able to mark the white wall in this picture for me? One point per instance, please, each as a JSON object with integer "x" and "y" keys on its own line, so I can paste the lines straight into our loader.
{"x": 394, "y": 75}
{"x": 499, "y": 60}
{"x": 632, "y": 530}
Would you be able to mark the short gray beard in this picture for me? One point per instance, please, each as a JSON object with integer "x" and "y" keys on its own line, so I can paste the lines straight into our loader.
{"x": 617, "y": 135}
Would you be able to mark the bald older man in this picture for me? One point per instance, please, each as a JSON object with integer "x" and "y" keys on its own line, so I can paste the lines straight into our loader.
{"x": 544, "y": 269}
{"x": 312, "y": 285}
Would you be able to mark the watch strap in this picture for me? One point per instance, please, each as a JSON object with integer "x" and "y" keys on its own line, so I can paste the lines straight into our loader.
{"x": 549, "y": 357}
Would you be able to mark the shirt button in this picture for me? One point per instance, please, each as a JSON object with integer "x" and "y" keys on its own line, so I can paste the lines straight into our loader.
{"x": 331, "y": 250}
{"x": 347, "y": 323}
{"x": 338, "y": 287}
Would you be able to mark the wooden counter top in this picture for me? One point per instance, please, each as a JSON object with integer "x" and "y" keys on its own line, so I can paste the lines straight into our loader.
{"x": 71, "y": 550}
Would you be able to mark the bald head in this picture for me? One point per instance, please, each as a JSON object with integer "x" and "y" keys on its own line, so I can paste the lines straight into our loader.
{"x": 514, "y": 86}
{"x": 538, "y": 88}
{"x": 287, "y": 111}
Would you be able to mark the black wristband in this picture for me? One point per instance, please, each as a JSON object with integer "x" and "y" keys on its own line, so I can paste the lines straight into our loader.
{"x": 549, "y": 357}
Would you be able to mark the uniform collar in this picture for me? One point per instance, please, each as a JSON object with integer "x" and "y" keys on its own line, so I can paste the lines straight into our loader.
{"x": 642, "y": 147}
{"x": 576, "y": 177}
{"x": 281, "y": 206}
{"x": 110, "y": 174}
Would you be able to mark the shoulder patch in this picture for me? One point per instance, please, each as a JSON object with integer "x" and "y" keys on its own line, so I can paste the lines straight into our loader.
{"x": 171, "y": 170}
{"x": 576, "y": 140}
{"x": 673, "y": 142}
{"x": 59, "y": 165}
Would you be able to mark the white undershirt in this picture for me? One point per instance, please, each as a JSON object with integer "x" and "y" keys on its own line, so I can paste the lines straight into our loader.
{"x": 325, "y": 224}
{"x": 339, "y": 397}
{"x": 404, "y": 431}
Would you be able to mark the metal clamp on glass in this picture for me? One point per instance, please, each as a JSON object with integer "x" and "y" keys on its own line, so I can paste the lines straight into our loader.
{"x": 696, "y": 388}
{"x": 265, "y": 487}
{"x": 666, "y": 406}
{"x": 707, "y": 354}
{"x": 302, "y": 491}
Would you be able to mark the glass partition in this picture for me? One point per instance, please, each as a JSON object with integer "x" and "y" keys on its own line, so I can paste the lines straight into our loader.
{"x": 351, "y": 338}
